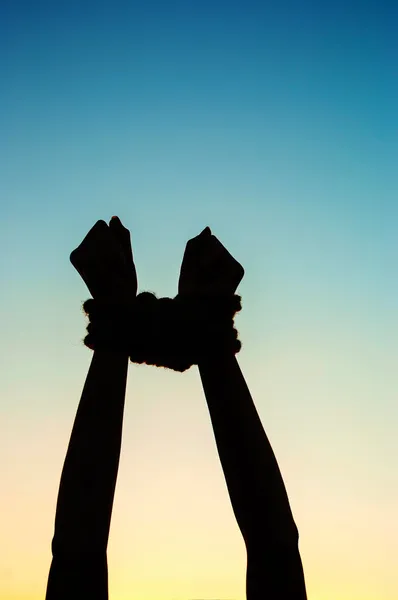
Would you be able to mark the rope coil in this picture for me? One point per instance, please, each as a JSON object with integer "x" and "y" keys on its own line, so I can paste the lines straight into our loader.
{"x": 174, "y": 333}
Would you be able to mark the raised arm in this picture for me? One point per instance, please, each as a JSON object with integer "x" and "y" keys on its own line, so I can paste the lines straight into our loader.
{"x": 85, "y": 498}
{"x": 256, "y": 489}
{"x": 255, "y": 485}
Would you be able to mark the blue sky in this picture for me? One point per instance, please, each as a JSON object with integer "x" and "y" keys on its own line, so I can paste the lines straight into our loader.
{"x": 275, "y": 124}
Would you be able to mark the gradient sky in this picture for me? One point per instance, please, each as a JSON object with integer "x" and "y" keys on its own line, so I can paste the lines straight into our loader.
{"x": 276, "y": 125}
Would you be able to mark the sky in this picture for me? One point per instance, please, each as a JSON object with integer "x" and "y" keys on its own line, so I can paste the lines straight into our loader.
{"x": 274, "y": 123}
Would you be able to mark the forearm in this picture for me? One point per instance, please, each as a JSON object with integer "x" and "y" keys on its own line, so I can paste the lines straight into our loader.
{"x": 89, "y": 474}
{"x": 252, "y": 475}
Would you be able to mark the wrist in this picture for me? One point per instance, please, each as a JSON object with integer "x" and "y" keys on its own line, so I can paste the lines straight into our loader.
{"x": 173, "y": 333}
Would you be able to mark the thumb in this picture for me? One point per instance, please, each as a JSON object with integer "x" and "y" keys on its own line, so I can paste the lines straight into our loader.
{"x": 122, "y": 236}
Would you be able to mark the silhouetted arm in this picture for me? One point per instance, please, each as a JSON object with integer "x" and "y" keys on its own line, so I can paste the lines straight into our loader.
{"x": 85, "y": 499}
{"x": 255, "y": 485}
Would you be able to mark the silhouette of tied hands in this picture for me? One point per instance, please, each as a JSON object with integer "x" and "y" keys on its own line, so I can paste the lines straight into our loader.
{"x": 208, "y": 268}
{"x": 105, "y": 262}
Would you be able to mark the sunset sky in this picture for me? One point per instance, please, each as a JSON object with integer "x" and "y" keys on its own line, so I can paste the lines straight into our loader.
{"x": 276, "y": 124}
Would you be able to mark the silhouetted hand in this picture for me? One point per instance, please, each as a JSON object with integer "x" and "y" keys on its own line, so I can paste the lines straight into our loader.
{"x": 208, "y": 268}
{"x": 105, "y": 262}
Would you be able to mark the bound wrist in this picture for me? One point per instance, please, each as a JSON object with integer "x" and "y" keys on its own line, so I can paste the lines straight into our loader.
{"x": 172, "y": 333}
